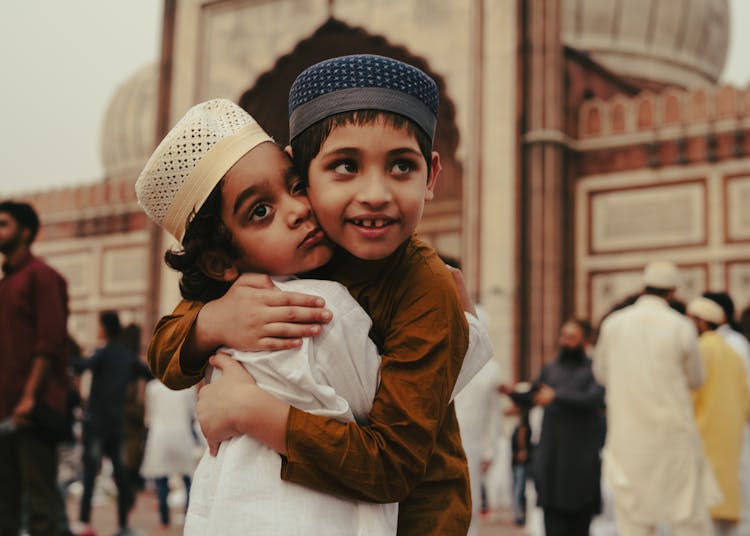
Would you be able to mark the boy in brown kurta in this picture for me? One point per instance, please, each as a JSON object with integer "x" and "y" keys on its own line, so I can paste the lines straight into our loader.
{"x": 410, "y": 451}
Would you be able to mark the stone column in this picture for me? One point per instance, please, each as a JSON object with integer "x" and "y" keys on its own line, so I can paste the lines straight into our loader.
{"x": 540, "y": 174}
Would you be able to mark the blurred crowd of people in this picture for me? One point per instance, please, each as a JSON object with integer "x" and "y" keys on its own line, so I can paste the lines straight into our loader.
{"x": 639, "y": 427}
{"x": 146, "y": 432}
{"x": 64, "y": 412}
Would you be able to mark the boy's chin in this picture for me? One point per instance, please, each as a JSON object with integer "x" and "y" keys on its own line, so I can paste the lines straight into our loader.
{"x": 372, "y": 254}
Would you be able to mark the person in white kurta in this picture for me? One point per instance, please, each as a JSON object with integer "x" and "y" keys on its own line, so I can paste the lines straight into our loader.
{"x": 479, "y": 413}
{"x": 336, "y": 374}
{"x": 171, "y": 442}
{"x": 647, "y": 358}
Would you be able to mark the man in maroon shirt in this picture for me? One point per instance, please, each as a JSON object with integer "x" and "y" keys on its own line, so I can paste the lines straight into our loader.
{"x": 33, "y": 381}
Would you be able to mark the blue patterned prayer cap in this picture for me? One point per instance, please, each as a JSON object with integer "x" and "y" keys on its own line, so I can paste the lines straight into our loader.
{"x": 362, "y": 82}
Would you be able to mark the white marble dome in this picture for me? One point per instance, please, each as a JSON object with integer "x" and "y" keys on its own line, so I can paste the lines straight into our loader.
{"x": 129, "y": 129}
{"x": 675, "y": 42}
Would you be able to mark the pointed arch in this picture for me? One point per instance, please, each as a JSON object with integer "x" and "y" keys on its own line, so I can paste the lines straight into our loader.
{"x": 267, "y": 99}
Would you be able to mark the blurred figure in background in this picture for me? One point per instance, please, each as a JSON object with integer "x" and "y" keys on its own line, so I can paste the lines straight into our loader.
{"x": 170, "y": 443}
{"x": 721, "y": 411}
{"x": 521, "y": 459}
{"x": 134, "y": 439}
{"x": 566, "y": 461}
{"x": 729, "y": 331}
{"x": 34, "y": 382}
{"x": 479, "y": 414}
{"x": 647, "y": 358}
{"x": 113, "y": 368}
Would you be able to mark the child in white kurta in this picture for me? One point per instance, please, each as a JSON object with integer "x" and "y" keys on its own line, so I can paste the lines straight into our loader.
{"x": 171, "y": 442}
{"x": 335, "y": 374}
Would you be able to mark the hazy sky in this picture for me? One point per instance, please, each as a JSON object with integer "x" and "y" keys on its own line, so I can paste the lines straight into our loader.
{"x": 60, "y": 70}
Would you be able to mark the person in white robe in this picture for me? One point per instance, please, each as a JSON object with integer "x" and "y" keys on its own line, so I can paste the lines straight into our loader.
{"x": 171, "y": 441}
{"x": 479, "y": 412}
{"x": 647, "y": 358}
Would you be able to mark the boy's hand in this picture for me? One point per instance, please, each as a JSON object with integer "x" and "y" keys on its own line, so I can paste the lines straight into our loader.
{"x": 254, "y": 315}
{"x": 233, "y": 405}
{"x": 544, "y": 396}
{"x": 220, "y": 402}
{"x": 463, "y": 294}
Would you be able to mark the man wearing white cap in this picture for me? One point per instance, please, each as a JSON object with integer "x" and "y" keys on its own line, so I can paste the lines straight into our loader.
{"x": 721, "y": 409}
{"x": 647, "y": 358}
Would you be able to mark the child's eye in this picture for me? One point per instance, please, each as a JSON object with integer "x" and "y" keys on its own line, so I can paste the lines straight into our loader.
{"x": 402, "y": 167}
{"x": 298, "y": 187}
{"x": 345, "y": 167}
{"x": 260, "y": 212}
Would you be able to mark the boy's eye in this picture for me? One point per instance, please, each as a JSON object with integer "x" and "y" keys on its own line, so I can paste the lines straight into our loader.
{"x": 260, "y": 212}
{"x": 402, "y": 167}
{"x": 345, "y": 167}
{"x": 298, "y": 187}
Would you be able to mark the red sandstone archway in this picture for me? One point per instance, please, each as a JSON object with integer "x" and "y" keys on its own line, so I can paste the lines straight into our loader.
{"x": 267, "y": 102}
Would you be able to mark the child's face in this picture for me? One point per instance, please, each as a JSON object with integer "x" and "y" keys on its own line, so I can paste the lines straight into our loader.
{"x": 265, "y": 207}
{"x": 368, "y": 186}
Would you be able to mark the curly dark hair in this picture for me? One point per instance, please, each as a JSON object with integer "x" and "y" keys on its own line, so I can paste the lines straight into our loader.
{"x": 205, "y": 231}
{"x": 307, "y": 144}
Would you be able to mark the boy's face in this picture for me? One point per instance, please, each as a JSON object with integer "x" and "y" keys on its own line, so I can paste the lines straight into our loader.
{"x": 368, "y": 186}
{"x": 265, "y": 207}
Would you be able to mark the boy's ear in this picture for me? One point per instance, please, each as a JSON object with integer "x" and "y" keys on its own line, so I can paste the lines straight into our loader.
{"x": 218, "y": 265}
{"x": 435, "y": 169}
{"x": 288, "y": 150}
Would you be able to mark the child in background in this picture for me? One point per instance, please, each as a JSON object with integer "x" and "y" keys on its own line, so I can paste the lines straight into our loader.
{"x": 253, "y": 215}
{"x": 170, "y": 442}
{"x": 521, "y": 448}
{"x": 361, "y": 134}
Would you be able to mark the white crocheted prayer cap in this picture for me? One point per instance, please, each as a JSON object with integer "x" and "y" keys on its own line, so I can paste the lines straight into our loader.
{"x": 661, "y": 274}
{"x": 708, "y": 310}
{"x": 192, "y": 158}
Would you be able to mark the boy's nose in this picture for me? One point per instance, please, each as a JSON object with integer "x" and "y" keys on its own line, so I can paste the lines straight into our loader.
{"x": 374, "y": 191}
{"x": 299, "y": 211}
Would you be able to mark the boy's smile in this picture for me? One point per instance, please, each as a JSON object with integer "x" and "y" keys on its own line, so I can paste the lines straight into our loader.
{"x": 266, "y": 209}
{"x": 368, "y": 186}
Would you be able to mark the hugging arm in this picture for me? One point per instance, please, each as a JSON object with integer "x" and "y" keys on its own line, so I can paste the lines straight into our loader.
{"x": 253, "y": 315}
{"x": 385, "y": 460}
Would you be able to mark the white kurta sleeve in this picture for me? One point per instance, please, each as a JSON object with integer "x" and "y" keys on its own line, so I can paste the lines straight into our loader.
{"x": 478, "y": 353}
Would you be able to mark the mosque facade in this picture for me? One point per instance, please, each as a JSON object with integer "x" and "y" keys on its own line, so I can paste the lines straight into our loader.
{"x": 580, "y": 139}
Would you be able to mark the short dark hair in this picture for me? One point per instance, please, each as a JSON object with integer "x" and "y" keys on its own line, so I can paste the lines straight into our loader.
{"x": 307, "y": 144}
{"x": 450, "y": 261}
{"x": 110, "y": 321}
{"x": 656, "y": 291}
{"x": 725, "y": 302}
{"x": 205, "y": 232}
{"x": 24, "y": 214}
{"x": 713, "y": 326}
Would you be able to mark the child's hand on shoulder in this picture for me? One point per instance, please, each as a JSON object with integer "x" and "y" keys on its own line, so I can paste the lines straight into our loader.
{"x": 254, "y": 315}
{"x": 233, "y": 405}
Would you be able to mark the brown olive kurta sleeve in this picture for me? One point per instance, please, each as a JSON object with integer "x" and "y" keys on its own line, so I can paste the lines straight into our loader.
{"x": 166, "y": 344}
{"x": 411, "y": 450}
